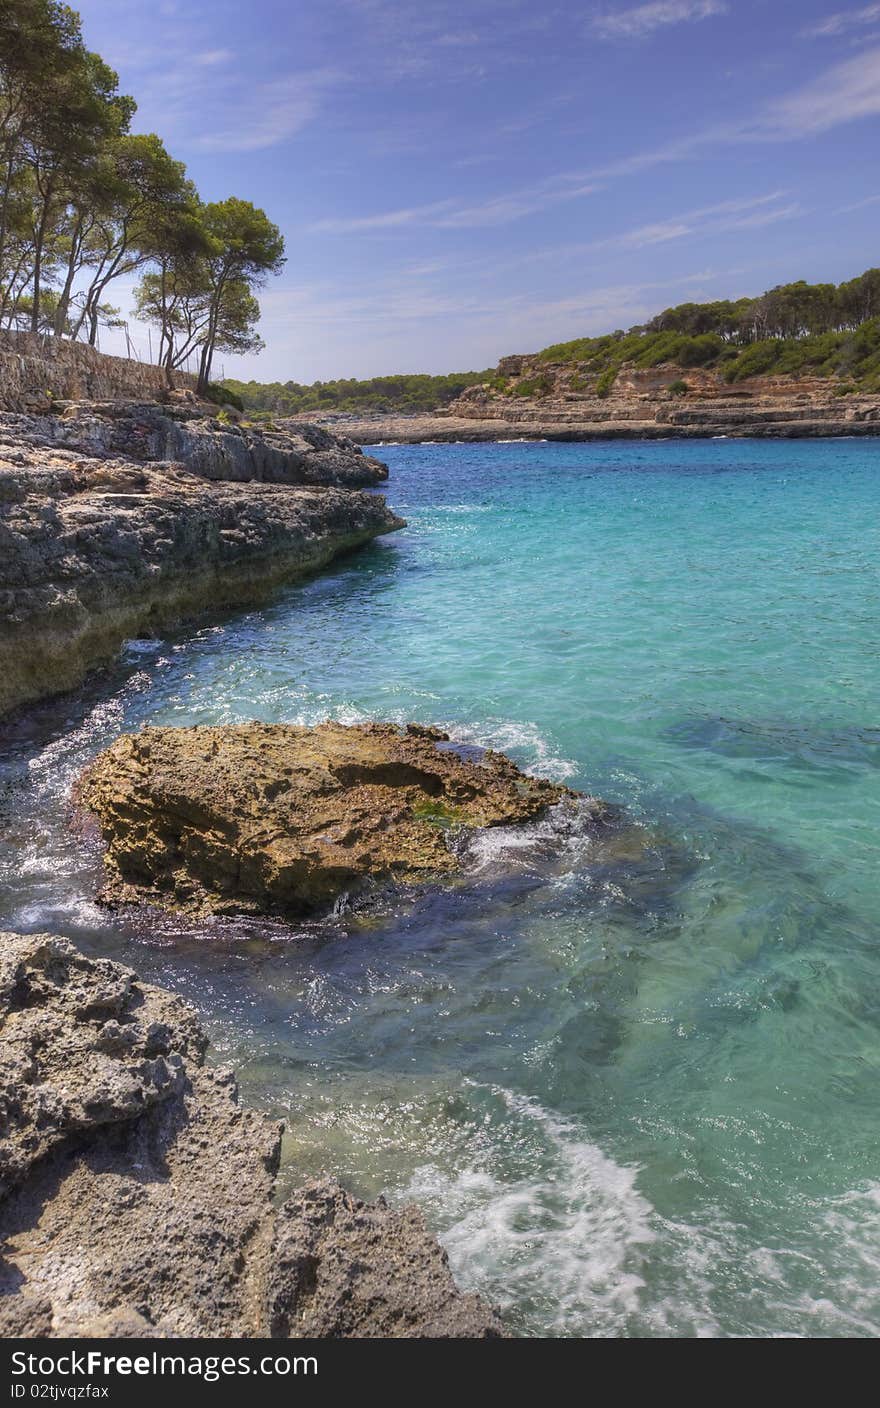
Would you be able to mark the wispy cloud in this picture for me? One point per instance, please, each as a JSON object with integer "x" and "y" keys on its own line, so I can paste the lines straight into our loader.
{"x": 724, "y": 217}
{"x": 858, "y": 205}
{"x": 848, "y": 91}
{"x": 453, "y": 214}
{"x": 211, "y": 58}
{"x": 843, "y": 93}
{"x": 204, "y": 97}
{"x": 749, "y": 213}
{"x": 842, "y": 22}
{"x": 252, "y": 119}
{"x": 642, "y": 20}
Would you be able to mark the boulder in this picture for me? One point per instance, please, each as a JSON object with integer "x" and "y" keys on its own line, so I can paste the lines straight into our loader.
{"x": 283, "y": 819}
{"x": 137, "y": 1196}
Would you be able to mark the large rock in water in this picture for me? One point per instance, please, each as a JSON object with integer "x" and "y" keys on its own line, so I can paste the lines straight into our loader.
{"x": 282, "y": 819}
{"x": 136, "y": 1196}
{"x": 104, "y": 537}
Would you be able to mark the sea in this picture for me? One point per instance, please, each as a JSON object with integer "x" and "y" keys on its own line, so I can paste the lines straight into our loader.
{"x": 634, "y": 1084}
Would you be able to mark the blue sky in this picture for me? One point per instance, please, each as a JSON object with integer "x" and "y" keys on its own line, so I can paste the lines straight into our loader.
{"x": 456, "y": 181}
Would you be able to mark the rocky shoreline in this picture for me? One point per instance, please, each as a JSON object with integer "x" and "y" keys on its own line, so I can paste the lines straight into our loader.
{"x": 137, "y": 1196}
{"x": 120, "y": 520}
{"x": 453, "y": 430}
{"x": 542, "y": 400}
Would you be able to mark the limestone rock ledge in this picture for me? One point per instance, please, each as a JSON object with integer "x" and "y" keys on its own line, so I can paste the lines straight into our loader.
{"x": 284, "y": 819}
{"x": 100, "y": 540}
{"x": 136, "y": 1195}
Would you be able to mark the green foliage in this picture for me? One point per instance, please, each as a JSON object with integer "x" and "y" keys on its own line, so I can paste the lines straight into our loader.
{"x": 606, "y": 381}
{"x": 753, "y": 361}
{"x": 220, "y": 395}
{"x": 403, "y": 393}
{"x": 438, "y": 813}
{"x": 83, "y": 201}
{"x": 678, "y": 388}
{"x": 535, "y": 386}
{"x": 796, "y": 329}
{"x": 700, "y": 351}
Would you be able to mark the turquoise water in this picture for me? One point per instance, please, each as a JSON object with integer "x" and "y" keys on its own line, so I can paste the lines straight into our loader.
{"x": 636, "y": 1095}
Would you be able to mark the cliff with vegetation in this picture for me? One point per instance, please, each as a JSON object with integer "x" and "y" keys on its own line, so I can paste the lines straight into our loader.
{"x": 802, "y": 359}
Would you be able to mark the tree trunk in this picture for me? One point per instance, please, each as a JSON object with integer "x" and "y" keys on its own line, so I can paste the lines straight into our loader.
{"x": 64, "y": 300}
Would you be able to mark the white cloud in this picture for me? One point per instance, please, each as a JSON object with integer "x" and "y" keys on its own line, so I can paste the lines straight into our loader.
{"x": 452, "y": 214}
{"x": 843, "y": 93}
{"x": 858, "y": 205}
{"x": 643, "y": 20}
{"x": 254, "y": 118}
{"x": 841, "y": 22}
{"x": 743, "y": 213}
{"x": 210, "y": 58}
{"x": 848, "y": 91}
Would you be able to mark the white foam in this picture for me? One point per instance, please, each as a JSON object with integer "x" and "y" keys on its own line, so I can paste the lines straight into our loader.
{"x": 519, "y": 736}
{"x": 564, "y": 831}
{"x": 568, "y": 1240}
{"x": 73, "y": 910}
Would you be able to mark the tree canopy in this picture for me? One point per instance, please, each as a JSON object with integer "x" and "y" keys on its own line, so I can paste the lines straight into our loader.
{"x": 792, "y": 329}
{"x": 404, "y": 394}
{"x": 85, "y": 201}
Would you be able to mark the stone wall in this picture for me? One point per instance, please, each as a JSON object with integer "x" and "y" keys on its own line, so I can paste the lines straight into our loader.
{"x": 36, "y": 369}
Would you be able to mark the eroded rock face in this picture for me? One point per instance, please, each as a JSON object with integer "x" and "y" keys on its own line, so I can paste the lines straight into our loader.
{"x": 136, "y": 1196}
{"x": 100, "y": 542}
{"x": 283, "y": 819}
{"x": 218, "y": 446}
{"x": 561, "y": 401}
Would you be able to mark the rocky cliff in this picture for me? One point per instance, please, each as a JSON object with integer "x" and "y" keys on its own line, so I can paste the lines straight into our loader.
{"x": 136, "y": 1196}
{"x": 536, "y": 399}
{"x": 121, "y": 519}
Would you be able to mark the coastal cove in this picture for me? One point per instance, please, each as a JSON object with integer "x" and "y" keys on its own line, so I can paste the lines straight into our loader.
{"x": 633, "y": 1098}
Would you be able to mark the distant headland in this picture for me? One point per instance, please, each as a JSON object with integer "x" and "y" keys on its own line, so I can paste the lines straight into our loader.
{"x": 798, "y": 360}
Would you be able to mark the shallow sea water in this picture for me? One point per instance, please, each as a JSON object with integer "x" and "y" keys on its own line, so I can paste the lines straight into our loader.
{"x": 635, "y": 1091}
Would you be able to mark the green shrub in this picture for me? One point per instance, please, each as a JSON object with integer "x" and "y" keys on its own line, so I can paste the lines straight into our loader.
{"x": 700, "y": 351}
{"x": 220, "y": 395}
{"x": 678, "y": 388}
{"x": 534, "y": 386}
{"x": 754, "y": 360}
{"x": 606, "y": 381}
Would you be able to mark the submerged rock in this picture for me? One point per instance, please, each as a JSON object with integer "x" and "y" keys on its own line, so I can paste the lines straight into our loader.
{"x": 103, "y": 538}
{"x": 283, "y": 819}
{"x": 136, "y": 1196}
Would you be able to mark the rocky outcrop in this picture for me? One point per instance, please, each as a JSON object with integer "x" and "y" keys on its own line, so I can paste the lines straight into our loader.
{"x": 534, "y": 399}
{"x": 100, "y": 540}
{"x": 218, "y": 447}
{"x": 136, "y": 1195}
{"x": 282, "y": 819}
